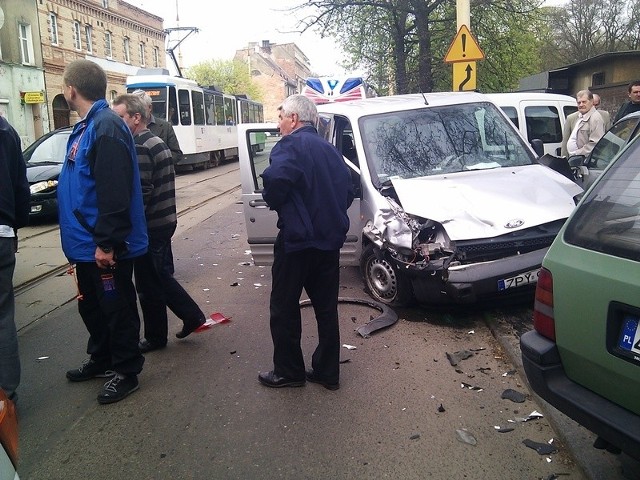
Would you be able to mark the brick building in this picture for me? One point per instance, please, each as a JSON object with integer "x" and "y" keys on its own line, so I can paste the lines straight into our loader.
{"x": 279, "y": 69}
{"x": 120, "y": 37}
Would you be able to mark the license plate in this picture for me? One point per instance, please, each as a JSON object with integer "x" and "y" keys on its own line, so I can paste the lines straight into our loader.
{"x": 630, "y": 335}
{"x": 526, "y": 278}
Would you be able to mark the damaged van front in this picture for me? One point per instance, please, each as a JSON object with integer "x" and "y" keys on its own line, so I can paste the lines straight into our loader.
{"x": 452, "y": 205}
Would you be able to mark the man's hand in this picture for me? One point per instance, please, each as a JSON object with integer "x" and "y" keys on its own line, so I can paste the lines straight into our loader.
{"x": 103, "y": 259}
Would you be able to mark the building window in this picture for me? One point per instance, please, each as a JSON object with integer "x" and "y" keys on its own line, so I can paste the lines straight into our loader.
{"x": 26, "y": 43}
{"x": 77, "y": 36}
{"x": 105, "y": 3}
{"x": 156, "y": 57}
{"x": 112, "y": 96}
{"x": 108, "y": 50}
{"x": 127, "y": 50}
{"x": 142, "y": 62}
{"x": 53, "y": 24}
{"x": 597, "y": 79}
{"x": 87, "y": 38}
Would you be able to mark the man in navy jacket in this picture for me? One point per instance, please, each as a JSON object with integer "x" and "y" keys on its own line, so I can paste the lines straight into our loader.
{"x": 308, "y": 184}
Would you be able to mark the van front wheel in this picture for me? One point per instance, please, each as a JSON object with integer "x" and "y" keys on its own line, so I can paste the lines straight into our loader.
{"x": 382, "y": 279}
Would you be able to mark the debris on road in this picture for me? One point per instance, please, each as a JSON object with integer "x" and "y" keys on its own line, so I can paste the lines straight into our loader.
{"x": 349, "y": 347}
{"x": 456, "y": 357}
{"x": 471, "y": 387}
{"x": 513, "y": 395}
{"x": 541, "y": 448}
{"x": 465, "y": 436}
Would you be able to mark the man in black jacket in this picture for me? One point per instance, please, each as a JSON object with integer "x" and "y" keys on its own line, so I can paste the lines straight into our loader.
{"x": 308, "y": 184}
{"x": 631, "y": 105}
{"x": 14, "y": 213}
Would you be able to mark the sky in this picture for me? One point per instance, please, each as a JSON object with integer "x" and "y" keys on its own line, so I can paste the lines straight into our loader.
{"x": 225, "y": 27}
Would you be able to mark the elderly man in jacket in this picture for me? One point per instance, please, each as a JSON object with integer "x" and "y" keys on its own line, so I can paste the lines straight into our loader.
{"x": 308, "y": 184}
{"x": 589, "y": 126}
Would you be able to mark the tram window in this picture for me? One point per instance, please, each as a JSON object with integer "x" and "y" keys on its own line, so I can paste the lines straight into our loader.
{"x": 209, "y": 109}
{"x": 184, "y": 105}
{"x": 198, "y": 107}
{"x": 229, "y": 111}
{"x": 173, "y": 106}
{"x": 219, "y": 110}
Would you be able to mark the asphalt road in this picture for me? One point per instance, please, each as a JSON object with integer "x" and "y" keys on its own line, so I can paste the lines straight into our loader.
{"x": 403, "y": 410}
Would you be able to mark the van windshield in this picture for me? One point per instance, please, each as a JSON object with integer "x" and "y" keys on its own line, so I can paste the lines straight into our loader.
{"x": 441, "y": 140}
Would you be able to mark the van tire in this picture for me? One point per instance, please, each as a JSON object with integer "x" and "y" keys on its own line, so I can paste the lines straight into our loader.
{"x": 382, "y": 280}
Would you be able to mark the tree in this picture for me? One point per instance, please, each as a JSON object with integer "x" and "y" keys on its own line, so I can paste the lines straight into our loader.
{"x": 228, "y": 76}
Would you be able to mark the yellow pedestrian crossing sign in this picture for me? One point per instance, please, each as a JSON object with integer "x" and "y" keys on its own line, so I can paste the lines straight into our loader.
{"x": 464, "y": 48}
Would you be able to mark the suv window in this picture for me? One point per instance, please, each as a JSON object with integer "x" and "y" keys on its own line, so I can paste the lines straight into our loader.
{"x": 608, "y": 220}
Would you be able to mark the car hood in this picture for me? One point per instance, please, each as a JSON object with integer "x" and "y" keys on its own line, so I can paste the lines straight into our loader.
{"x": 489, "y": 203}
{"x": 38, "y": 173}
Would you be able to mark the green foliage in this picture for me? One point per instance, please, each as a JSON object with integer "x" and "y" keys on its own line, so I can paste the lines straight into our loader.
{"x": 227, "y": 75}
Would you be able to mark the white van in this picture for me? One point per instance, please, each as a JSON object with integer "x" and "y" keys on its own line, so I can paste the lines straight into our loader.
{"x": 537, "y": 115}
{"x": 451, "y": 204}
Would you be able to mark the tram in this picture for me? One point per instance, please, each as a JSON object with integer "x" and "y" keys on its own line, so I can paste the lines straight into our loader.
{"x": 203, "y": 118}
{"x": 336, "y": 89}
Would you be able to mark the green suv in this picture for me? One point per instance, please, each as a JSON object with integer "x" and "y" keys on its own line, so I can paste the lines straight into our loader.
{"x": 583, "y": 356}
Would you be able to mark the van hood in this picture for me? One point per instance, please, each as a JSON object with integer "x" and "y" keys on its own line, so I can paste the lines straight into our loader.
{"x": 489, "y": 203}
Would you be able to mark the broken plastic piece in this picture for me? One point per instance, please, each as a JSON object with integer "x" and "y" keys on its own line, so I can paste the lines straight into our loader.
{"x": 465, "y": 436}
{"x": 541, "y": 448}
{"x": 513, "y": 395}
{"x": 415, "y": 436}
{"x": 214, "y": 319}
{"x": 349, "y": 347}
{"x": 471, "y": 387}
{"x": 386, "y": 318}
{"x": 500, "y": 429}
{"x": 441, "y": 408}
{"x": 456, "y": 357}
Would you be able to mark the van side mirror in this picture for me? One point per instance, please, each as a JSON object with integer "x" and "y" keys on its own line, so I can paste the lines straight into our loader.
{"x": 537, "y": 146}
{"x": 576, "y": 161}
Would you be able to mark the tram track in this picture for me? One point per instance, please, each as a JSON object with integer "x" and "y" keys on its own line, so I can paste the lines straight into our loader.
{"x": 60, "y": 270}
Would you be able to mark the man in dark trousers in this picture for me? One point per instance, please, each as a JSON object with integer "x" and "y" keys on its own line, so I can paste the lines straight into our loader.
{"x": 631, "y": 105}
{"x": 103, "y": 229}
{"x": 157, "y": 288}
{"x": 14, "y": 213}
{"x": 308, "y": 184}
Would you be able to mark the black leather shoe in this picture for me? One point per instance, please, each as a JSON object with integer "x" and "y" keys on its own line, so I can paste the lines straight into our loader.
{"x": 313, "y": 379}
{"x": 188, "y": 329}
{"x": 147, "y": 346}
{"x": 270, "y": 379}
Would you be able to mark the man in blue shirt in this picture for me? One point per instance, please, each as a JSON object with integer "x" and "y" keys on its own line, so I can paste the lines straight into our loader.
{"x": 308, "y": 184}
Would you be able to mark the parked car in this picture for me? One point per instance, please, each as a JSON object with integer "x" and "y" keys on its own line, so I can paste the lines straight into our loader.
{"x": 44, "y": 159}
{"x": 451, "y": 205}
{"x": 538, "y": 115}
{"x": 619, "y": 135}
{"x": 583, "y": 356}
{"x": 8, "y": 439}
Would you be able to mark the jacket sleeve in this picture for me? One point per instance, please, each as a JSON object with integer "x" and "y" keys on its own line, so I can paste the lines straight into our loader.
{"x": 21, "y": 190}
{"x": 112, "y": 170}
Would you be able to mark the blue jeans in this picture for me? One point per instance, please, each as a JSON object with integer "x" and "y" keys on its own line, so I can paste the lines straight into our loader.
{"x": 158, "y": 289}
{"x": 9, "y": 358}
